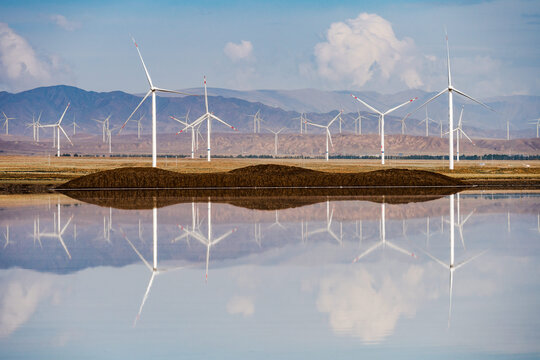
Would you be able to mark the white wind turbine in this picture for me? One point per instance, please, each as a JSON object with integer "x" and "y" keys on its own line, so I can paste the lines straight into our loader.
{"x": 303, "y": 124}
{"x": 152, "y": 92}
{"x": 208, "y": 240}
{"x": 450, "y": 89}
{"x": 451, "y": 266}
{"x": 276, "y": 133}
{"x": 427, "y": 120}
{"x": 208, "y": 116}
{"x": 460, "y": 132}
{"x": 381, "y": 117}
{"x": 154, "y": 267}
{"x": 256, "y": 121}
{"x": 56, "y": 131}
{"x": 383, "y": 242}
{"x": 537, "y": 122}
{"x": 327, "y": 130}
{"x": 195, "y": 133}
{"x": 104, "y": 126}
{"x": 35, "y": 127}
{"x": 358, "y": 124}
{"x": 139, "y": 126}
{"x": 6, "y": 122}
{"x": 75, "y": 126}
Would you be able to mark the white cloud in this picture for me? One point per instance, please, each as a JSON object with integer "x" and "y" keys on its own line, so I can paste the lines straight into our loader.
{"x": 241, "y": 305}
{"x": 241, "y": 51}
{"x": 21, "y": 67}
{"x": 64, "y": 23}
{"x": 363, "y": 49}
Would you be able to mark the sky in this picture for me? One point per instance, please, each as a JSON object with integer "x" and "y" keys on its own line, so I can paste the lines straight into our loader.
{"x": 384, "y": 46}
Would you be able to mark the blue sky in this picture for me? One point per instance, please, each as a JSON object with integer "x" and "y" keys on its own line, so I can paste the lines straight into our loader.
{"x": 385, "y": 46}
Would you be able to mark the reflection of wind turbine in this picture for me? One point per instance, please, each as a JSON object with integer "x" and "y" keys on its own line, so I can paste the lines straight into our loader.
{"x": 58, "y": 231}
{"x": 452, "y": 266}
{"x": 6, "y": 236}
{"x": 209, "y": 240}
{"x": 383, "y": 242}
{"x": 276, "y": 133}
{"x": 328, "y": 135}
{"x": 450, "y": 89}
{"x": 152, "y": 91}
{"x": 328, "y": 227}
{"x": 57, "y": 127}
{"x": 208, "y": 116}
{"x": 381, "y": 117}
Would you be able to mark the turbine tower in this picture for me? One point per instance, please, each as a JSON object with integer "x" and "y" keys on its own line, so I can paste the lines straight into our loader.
{"x": 450, "y": 89}
{"x": 194, "y": 132}
{"x": 460, "y": 132}
{"x": 537, "y": 122}
{"x": 427, "y": 120}
{"x": 328, "y": 135}
{"x": 276, "y": 133}
{"x": 381, "y": 119}
{"x": 104, "y": 126}
{"x": 256, "y": 121}
{"x": 208, "y": 116}
{"x": 56, "y": 131}
{"x": 152, "y": 91}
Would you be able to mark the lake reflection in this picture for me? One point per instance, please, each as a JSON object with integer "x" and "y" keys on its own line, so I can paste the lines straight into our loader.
{"x": 328, "y": 278}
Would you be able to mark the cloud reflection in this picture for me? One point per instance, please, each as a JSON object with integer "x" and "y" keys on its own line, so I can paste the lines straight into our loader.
{"x": 241, "y": 305}
{"x": 361, "y": 306}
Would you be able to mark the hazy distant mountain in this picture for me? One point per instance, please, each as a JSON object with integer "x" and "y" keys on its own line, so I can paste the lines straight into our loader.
{"x": 278, "y": 109}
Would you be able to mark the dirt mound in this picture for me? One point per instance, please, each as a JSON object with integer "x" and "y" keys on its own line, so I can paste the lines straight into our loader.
{"x": 255, "y": 176}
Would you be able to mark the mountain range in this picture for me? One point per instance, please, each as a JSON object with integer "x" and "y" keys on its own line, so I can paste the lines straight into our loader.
{"x": 278, "y": 108}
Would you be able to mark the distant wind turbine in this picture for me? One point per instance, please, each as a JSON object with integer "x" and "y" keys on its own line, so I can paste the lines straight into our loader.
{"x": 104, "y": 126}
{"x": 256, "y": 121}
{"x": 327, "y": 130}
{"x": 537, "y": 122}
{"x": 75, "y": 126}
{"x": 427, "y": 120}
{"x": 56, "y": 131}
{"x": 58, "y": 231}
{"x": 6, "y": 122}
{"x": 450, "y": 89}
{"x": 381, "y": 117}
{"x": 276, "y": 133}
{"x": 460, "y": 132}
{"x": 194, "y": 132}
{"x": 152, "y": 92}
{"x": 208, "y": 116}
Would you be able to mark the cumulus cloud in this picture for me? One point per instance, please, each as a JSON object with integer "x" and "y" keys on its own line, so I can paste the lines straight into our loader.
{"x": 21, "y": 67}
{"x": 360, "y": 306}
{"x": 363, "y": 49}
{"x": 64, "y": 23}
{"x": 241, "y": 305}
{"x": 237, "y": 52}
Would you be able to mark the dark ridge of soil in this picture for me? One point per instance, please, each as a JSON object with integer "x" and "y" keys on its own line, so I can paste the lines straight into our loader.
{"x": 255, "y": 176}
{"x": 259, "y": 199}
{"x": 21, "y": 188}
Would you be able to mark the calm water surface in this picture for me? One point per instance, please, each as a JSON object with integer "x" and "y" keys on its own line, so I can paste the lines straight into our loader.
{"x": 454, "y": 277}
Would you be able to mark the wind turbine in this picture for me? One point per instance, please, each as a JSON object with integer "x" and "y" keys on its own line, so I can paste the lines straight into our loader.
{"x": 57, "y": 127}
{"x": 209, "y": 240}
{"x": 256, "y": 121}
{"x": 383, "y": 242}
{"x": 6, "y": 122}
{"x": 34, "y": 125}
{"x": 58, "y": 231}
{"x": 276, "y": 133}
{"x": 152, "y": 92}
{"x": 303, "y": 125}
{"x": 208, "y": 116}
{"x": 194, "y": 133}
{"x": 358, "y": 124}
{"x": 450, "y": 89}
{"x": 451, "y": 266}
{"x": 328, "y": 135}
{"x": 6, "y": 236}
{"x": 460, "y": 132}
{"x": 154, "y": 267}
{"x": 381, "y": 117}
{"x": 104, "y": 126}
{"x": 426, "y": 120}
{"x": 537, "y": 122}
{"x": 75, "y": 126}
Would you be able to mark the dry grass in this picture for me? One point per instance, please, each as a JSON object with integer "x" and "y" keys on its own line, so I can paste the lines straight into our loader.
{"x": 36, "y": 169}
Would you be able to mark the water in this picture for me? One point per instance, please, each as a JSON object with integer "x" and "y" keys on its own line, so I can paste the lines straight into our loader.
{"x": 330, "y": 279}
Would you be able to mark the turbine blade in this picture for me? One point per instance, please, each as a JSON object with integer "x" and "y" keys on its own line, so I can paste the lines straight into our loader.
{"x": 367, "y": 252}
{"x": 427, "y": 102}
{"x": 66, "y": 135}
{"x": 446, "y": 266}
{"x": 400, "y": 249}
{"x": 174, "y": 92}
{"x": 471, "y": 98}
{"x": 62, "y": 117}
{"x": 330, "y": 137}
{"x": 397, "y": 107}
{"x": 143, "y": 64}
{"x": 371, "y": 108}
{"x": 223, "y": 122}
{"x": 467, "y": 136}
{"x": 134, "y": 111}
{"x": 470, "y": 259}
